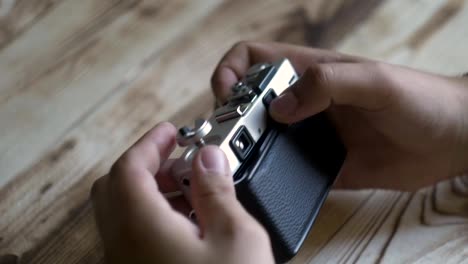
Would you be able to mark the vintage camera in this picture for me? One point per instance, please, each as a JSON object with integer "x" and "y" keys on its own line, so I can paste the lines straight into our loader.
{"x": 282, "y": 174}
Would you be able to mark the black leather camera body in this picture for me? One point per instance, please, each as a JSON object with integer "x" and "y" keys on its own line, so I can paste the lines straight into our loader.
{"x": 282, "y": 174}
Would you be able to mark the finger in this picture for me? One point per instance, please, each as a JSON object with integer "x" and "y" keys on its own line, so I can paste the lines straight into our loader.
{"x": 242, "y": 55}
{"x": 363, "y": 85}
{"x": 181, "y": 205}
{"x": 213, "y": 195}
{"x": 133, "y": 186}
{"x": 151, "y": 149}
{"x": 133, "y": 174}
{"x": 164, "y": 178}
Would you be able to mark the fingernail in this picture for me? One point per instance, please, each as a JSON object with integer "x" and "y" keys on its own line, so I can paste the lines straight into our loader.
{"x": 285, "y": 104}
{"x": 213, "y": 160}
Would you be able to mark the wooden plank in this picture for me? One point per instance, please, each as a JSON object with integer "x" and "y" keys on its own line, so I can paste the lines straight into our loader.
{"x": 17, "y": 17}
{"x": 352, "y": 238}
{"x": 439, "y": 241}
{"x": 390, "y": 227}
{"x": 429, "y": 35}
{"x": 339, "y": 208}
{"x": 71, "y": 88}
{"x": 85, "y": 235}
{"x": 47, "y": 44}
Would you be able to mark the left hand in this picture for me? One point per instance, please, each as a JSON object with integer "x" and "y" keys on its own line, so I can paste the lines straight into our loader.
{"x": 138, "y": 225}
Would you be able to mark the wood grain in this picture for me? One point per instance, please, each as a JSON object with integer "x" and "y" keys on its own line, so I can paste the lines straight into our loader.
{"x": 390, "y": 227}
{"x": 17, "y": 17}
{"x": 82, "y": 80}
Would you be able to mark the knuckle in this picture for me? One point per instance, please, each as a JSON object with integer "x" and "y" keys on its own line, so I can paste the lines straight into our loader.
{"x": 124, "y": 171}
{"x": 123, "y": 165}
{"x": 313, "y": 92}
{"x": 217, "y": 190}
{"x": 320, "y": 75}
{"x": 232, "y": 227}
{"x": 386, "y": 93}
{"x": 241, "y": 44}
{"x": 379, "y": 71}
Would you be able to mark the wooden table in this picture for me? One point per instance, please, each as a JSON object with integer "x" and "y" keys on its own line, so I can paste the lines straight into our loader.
{"x": 82, "y": 80}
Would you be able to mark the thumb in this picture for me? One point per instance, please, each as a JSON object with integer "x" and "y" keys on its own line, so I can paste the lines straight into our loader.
{"x": 213, "y": 194}
{"x": 363, "y": 85}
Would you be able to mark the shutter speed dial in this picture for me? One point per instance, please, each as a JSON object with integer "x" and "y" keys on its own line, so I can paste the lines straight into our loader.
{"x": 194, "y": 136}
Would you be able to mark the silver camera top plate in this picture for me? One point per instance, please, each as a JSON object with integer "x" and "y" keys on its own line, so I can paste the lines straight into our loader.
{"x": 238, "y": 125}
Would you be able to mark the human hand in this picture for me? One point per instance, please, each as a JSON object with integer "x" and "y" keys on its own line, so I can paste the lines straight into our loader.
{"x": 403, "y": 129}
{"x": 138, "y": 225}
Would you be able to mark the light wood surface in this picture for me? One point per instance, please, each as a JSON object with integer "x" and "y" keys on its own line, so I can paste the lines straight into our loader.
{"x": 82, "y": 80}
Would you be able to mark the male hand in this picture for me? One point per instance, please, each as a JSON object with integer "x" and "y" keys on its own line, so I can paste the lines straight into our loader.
{"x": 403, "y": 129}
{"x": 138, "y": 225}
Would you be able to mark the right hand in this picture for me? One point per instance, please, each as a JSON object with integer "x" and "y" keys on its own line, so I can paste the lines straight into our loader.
{"x": 403, "y": 129}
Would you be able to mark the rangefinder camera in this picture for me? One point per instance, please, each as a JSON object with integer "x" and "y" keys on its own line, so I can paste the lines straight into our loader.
{"x": 282, "y": 173}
